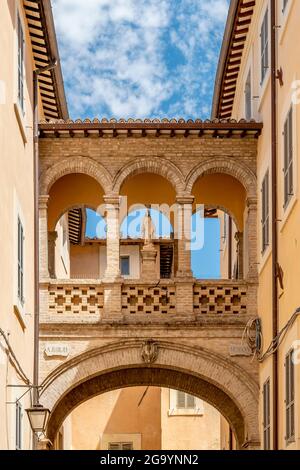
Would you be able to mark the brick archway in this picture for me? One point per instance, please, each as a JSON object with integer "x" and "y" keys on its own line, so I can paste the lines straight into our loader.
{"x": 224, "y": 165}
{"x": 194, "y": 370}
{"x": 156, "y": 165}
{"x": 84, "y": 165}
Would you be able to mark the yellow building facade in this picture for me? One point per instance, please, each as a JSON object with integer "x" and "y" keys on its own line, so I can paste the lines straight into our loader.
{"x": 258, "y": 78}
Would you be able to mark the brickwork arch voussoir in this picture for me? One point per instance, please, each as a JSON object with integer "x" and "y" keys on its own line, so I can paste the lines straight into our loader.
{"x": 71, "y": 165}
{"x": 159, "y": 166}
{"x": 198, "y": 371}
{"x": 227, "y": 166}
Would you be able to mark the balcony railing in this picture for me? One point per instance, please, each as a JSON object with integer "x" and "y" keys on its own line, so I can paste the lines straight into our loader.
{"x": 75, "y": 299}
{"x": 91, "y": 301}
{"x": 149, "y": 299}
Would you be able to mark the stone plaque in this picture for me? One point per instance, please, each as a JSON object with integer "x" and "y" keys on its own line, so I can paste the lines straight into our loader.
{"x": 57, "y": 350}
{"x": 239, "y": 350}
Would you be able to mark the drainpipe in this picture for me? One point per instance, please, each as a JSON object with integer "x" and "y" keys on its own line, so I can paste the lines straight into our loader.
{"x": 230, "y": 248}
{"x": 36, "y": 74}
{"x": 274, "y": 218}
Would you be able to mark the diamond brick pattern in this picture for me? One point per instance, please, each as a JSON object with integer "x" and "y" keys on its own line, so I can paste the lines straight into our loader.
{"x": 148, "y": 300}
{"x": 220, "y": 299}
{"x": 75, "y": 300}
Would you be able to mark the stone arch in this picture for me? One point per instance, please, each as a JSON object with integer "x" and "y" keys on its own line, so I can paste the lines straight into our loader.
{"x": 84, "y": 165}
{"x": 195, "y": 370}
{"x": 156, "y": 165}
{"x": 229, "y": 166}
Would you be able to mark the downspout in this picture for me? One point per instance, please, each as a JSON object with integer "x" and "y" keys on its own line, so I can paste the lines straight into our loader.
{"x": 274, "y": 218}
{"x": 36, "y": 74}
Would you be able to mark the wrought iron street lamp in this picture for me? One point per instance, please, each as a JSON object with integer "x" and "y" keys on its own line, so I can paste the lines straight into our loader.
{"x": 38, "y": 418}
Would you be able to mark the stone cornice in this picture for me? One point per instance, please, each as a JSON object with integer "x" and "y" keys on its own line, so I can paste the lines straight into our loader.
{"x": 173, "y": 128}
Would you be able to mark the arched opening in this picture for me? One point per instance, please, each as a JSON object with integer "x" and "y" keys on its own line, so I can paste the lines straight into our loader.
{"x": 79, "y": 245}
{"x": 72, "y": 190}
{"x": 195, "y": 371}
{"x": 222, "y": 199}
{"x": 72, "y": 245}
{"x": 216, "y": 254}
{"x": 147, "y": 225}
{"x": 144, "y": 418}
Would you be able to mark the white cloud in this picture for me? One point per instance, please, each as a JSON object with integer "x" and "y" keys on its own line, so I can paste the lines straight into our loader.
{"x": 119, "y": 56}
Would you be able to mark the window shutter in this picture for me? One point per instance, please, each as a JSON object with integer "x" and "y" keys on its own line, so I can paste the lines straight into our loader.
{"x": 266, "y": 415}
{"x": 288, "y": 169}
{"x": 190, "y": 401}
{"x": 114, "y": 446}
{"x": 180, "y": 399}
{"x": 127, "y": 446}
{"x": 290, "y": 396}
{"x": 20, "y": 261}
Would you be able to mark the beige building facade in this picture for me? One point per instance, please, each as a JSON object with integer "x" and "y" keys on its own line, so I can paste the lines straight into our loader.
{"x": 19, "y": 58}
{"x": 142, "y": 418}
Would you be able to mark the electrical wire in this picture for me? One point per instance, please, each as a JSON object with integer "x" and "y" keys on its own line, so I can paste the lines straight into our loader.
{"x": 254, "y": 341}
{"x": 12, "y": 355}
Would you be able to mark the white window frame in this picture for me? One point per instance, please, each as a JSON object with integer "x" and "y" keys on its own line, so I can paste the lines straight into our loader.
{"x": 288, "y": 160}
{"x": 284, "y": 15}
{"x": 263, "y": 83}
{"x": 20, "y": 258}
{"x": 265, "y": 212}
{"x": 290, "y": 411}
{"x": 18, "y": 305}
{"x": 198, "y": 409}
{"x": 248, "y": 75}
{"x": 267, "y": 415}
{"x": 20, "y": 110}
{"x": 21, "y": 62}
{"x": 285, "y": 210}
{"x": 265, "y": 50}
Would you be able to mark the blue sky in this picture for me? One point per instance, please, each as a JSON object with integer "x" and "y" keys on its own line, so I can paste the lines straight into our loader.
{"x": 205, "y": 261}
{"x": 143, "y": 58}
{"x": 139, "y": 58}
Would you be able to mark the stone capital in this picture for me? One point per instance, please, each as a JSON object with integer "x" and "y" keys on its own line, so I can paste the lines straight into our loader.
{"x": 184, "y": 199}
{"x": 43, "y": 201}
{"x": 251, "y": 203}
{"x": 112, "y": 200}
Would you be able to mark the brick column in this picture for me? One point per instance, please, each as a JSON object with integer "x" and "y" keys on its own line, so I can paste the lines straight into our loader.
{"x": 112, "y": 206}
{"x": 52, "y": 237}
{"x": 183, "y": 233}
{"x": 239, "y": 236}
{"x": 112, "y": 282}
{"x": 43, "y": 236}
{"x": 250, "y": 240}
{"x": 184, "y": 277}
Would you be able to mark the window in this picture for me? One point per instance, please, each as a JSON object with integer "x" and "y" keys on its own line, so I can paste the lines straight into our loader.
{"x": 120, "y": 446}
{"x": 265, "y": 221}
{"x": 266, "y": 412}
{"x": 290, "y": 397}
{"x": 284, "y": 4}
{"x": 248, "y": 97}
{"x": 20, "y": 262}
{"x": 19, "y": 417}
{"x": 264, "y": 41}
{"x": 125, "y": 268}
{"x": 288, "y": 169}
{"x": 20, "y": 64}
{"x": 184, "y": 400}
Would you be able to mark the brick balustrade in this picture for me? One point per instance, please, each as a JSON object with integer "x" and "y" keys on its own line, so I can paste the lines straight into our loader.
{"x": 80, "y": 301}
